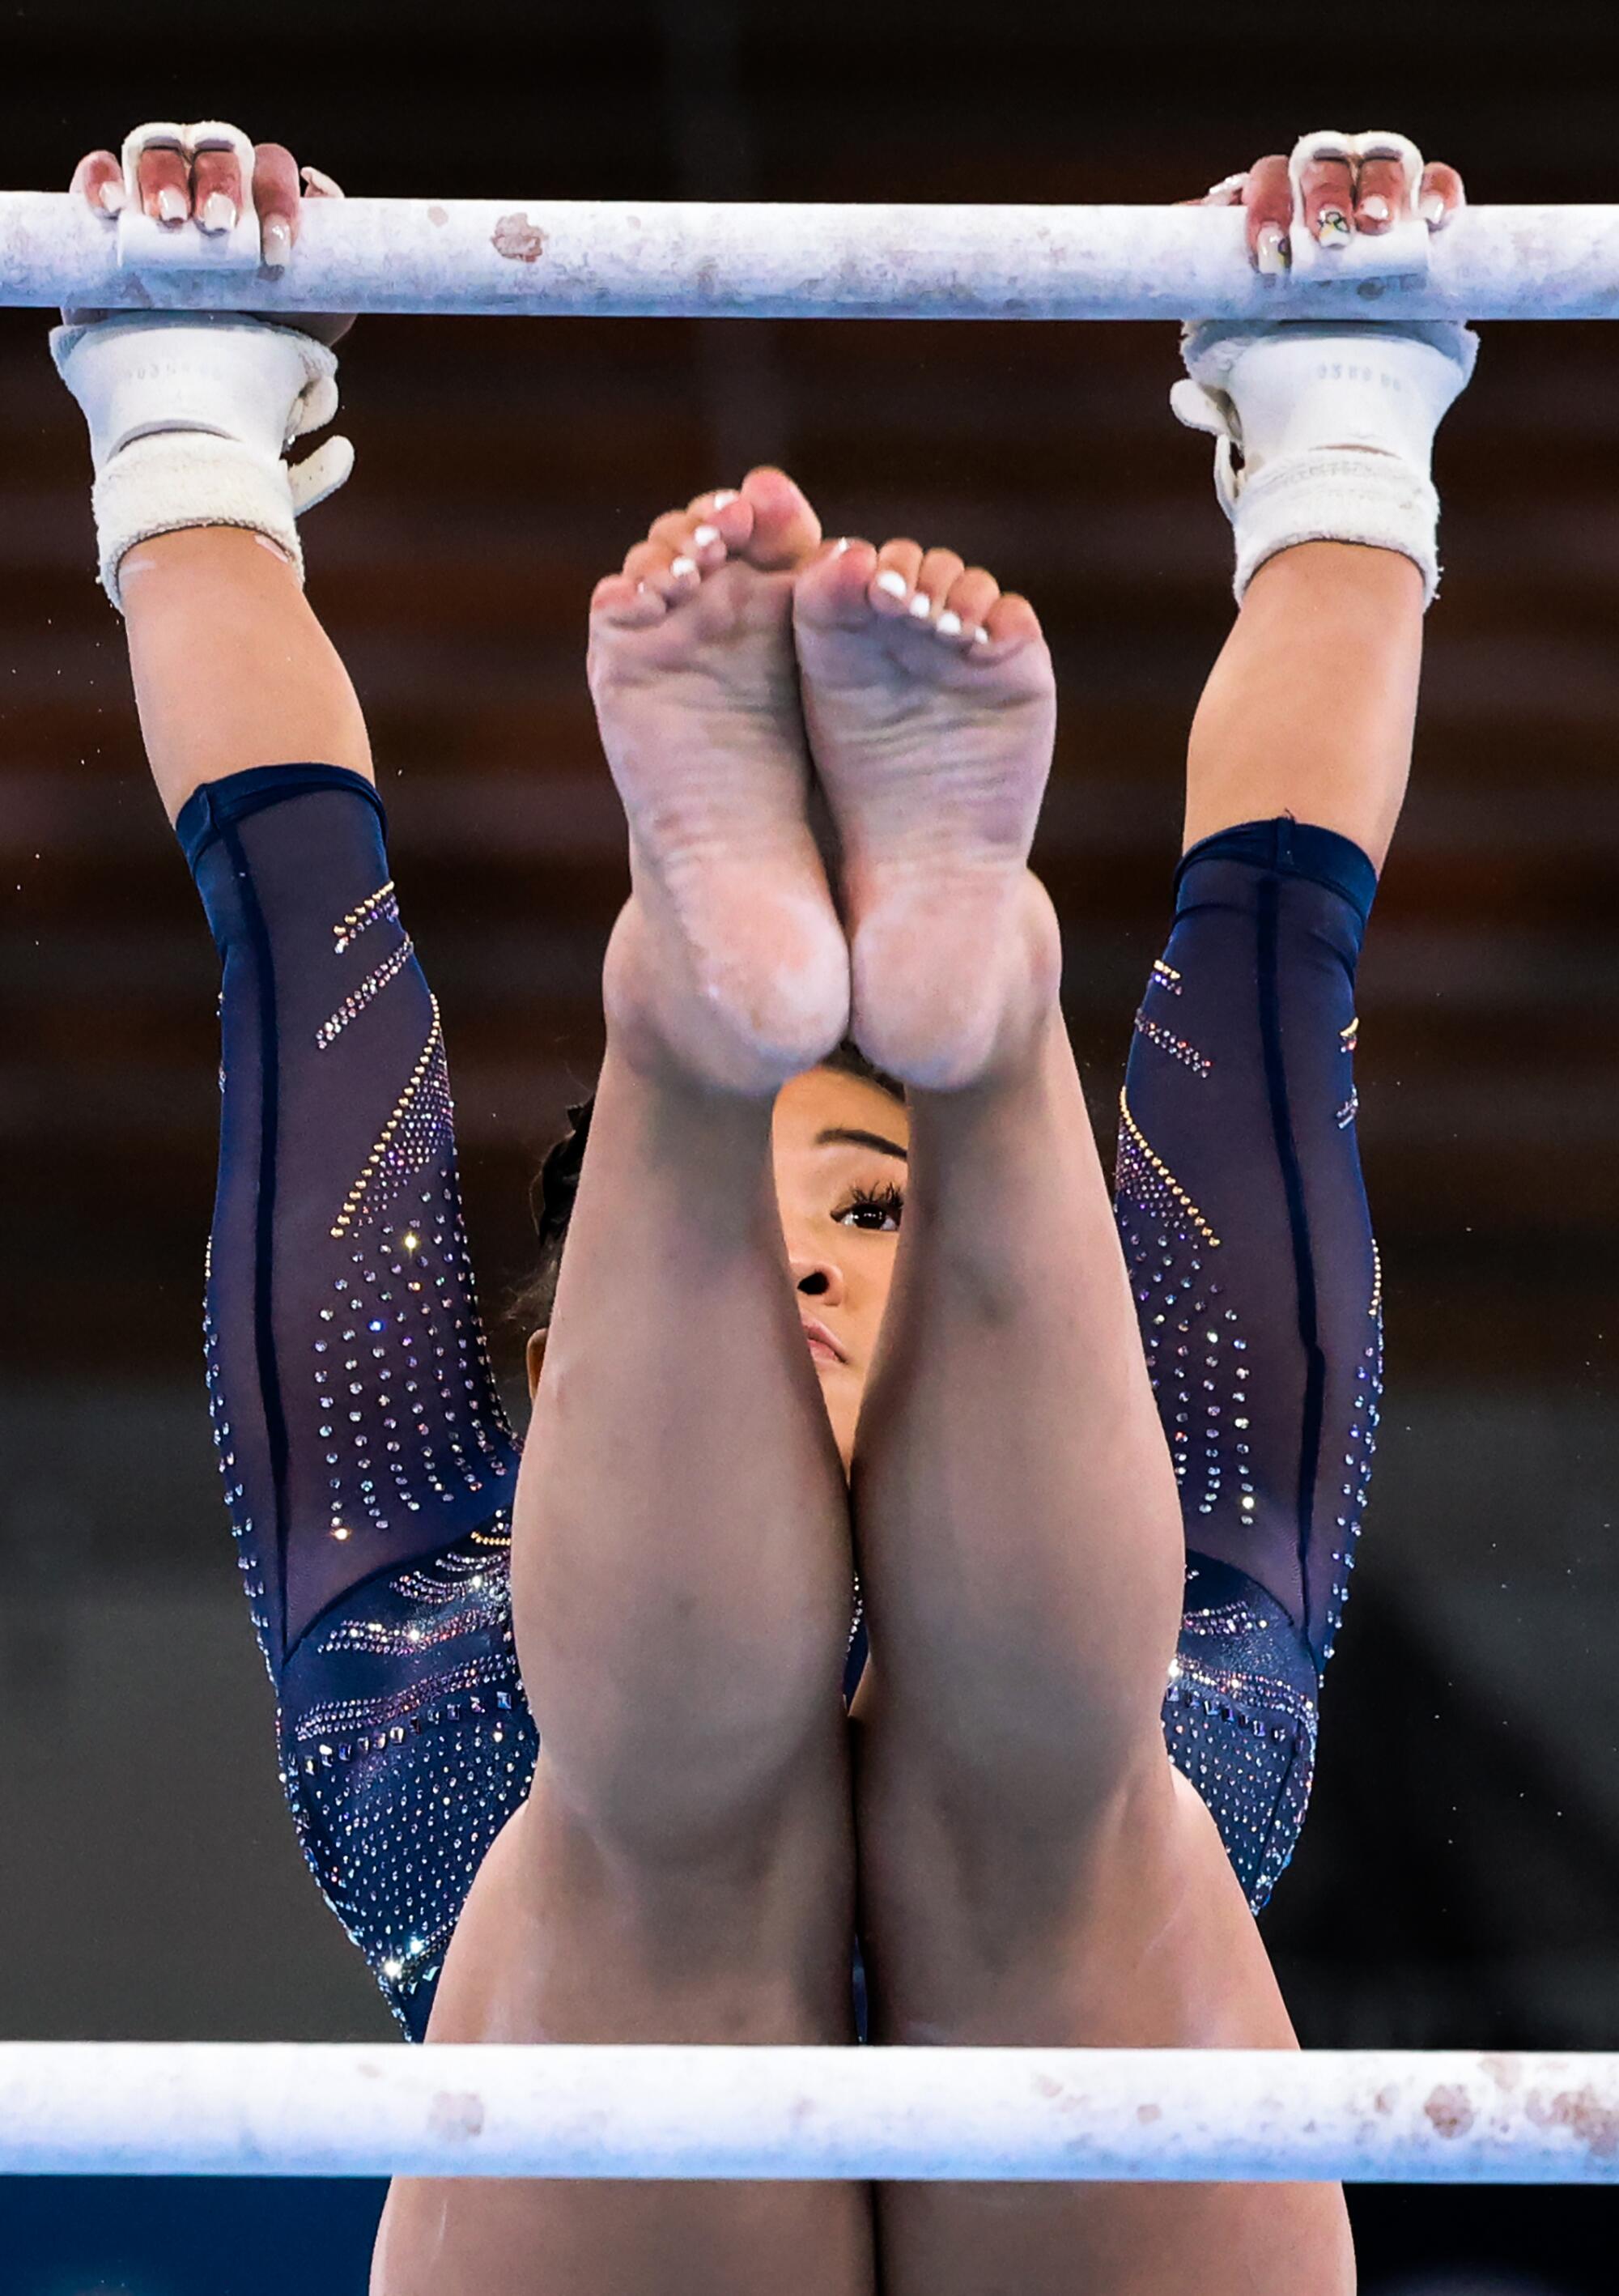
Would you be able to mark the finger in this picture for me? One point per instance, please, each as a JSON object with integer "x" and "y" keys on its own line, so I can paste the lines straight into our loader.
{"x": 216, "y": 189}
{"x": 1442, "y": 195}
{"x": 1327, "y": 188}
{"x": 894, "y": 583}
{"x": 99, "y": 177}
{"x": 971, "y": 596}
{"x": 938, "y": 570}
{"x": 319, "y": 186}
{"x": 275, "y": 197}
{"x": 1379, "y": 196}
{"x": 1268, "y": 198}
{"x": 163, "y": 178}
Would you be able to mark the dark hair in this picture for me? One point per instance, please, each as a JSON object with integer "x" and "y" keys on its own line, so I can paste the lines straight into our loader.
{"x": 556, "y": 1183}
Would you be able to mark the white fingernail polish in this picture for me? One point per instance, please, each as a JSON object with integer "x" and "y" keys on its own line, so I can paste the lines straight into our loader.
{"x": 921, "y": 606}
{"x": 219, "y": 212}
{"x": 1433, "y": 209}
{"x": 896, "y": 585}
{"x": 725, "y": 495}
{"x": 171, "y": 204}
{"x": 1270, "y": 250}
{"x": 111, "y": 197}
{"x": 702, "y": 535}
{"x": 681, "y": 567}
{"x": 949, "y": 625}
{"x": 277, "y": 244}
{"x": 1377, "y": 208}
{"x": 1335, "y": 228}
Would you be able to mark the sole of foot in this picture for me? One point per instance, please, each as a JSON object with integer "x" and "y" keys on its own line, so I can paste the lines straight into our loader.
{"x": 931, "y": 709}
{"x": 729, "y": 962}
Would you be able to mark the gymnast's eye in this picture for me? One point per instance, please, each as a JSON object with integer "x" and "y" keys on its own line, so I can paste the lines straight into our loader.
{"x": 877, "y": 1210}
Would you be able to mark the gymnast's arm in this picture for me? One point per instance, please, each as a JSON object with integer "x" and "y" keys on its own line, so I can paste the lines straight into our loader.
{"x": 367, "y": 1461}
{"x": 1240, "y": 1199}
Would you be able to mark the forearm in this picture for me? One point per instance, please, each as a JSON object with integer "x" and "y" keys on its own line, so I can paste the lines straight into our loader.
{"x": 232, "y": 668}
{"x": 1310, "y": 709}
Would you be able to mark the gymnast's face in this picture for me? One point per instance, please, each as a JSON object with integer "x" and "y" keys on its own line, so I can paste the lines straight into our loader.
{"x": 839, "y": 1147}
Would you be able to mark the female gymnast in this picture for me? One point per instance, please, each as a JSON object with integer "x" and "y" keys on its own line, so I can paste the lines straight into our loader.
{"x": 563, "y": 1742}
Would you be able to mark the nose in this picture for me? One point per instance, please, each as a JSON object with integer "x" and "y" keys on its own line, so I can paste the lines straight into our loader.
{"x": 815, "y": 1278}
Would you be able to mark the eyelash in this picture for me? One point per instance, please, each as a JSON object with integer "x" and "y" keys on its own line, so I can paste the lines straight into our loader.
{"x": 888, "y": 1199}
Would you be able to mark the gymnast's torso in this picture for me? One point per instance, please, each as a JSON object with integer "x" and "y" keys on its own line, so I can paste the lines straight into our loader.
{"x": 370, "y": 1466}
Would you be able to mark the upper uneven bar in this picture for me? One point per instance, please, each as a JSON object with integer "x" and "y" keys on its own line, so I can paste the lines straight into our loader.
{"x": 1005, "y": 2115}
{"x": 622, "y": 259}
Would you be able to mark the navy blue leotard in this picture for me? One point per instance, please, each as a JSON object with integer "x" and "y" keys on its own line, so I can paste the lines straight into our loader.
{"x": 368, "y": 1465}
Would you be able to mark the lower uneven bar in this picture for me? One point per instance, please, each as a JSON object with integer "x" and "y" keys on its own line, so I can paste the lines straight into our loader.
{"x": 1002, "y": 2115}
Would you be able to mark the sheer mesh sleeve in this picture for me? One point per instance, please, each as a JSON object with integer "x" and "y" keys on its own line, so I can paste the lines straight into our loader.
{"x": 368, "y": 1465}
{"x": 1245, "y": 1225}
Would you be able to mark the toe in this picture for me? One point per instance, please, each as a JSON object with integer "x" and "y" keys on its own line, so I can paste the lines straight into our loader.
{"x": 893, "y": 585}
{"x": 971, "y": 596}
{"x": 625, "y": 603}
{"x": 1011, "y": 618}
{"x": 726, "y": 514}
{"x": 939, "y": 568}
{"x": 671, "y": 572}
{"x": 685, "y": 537}
{"x": 831, "y": 590}
{"x": 786, "y": 531}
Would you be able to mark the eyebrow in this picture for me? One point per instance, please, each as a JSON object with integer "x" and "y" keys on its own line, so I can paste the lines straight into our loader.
{"x": 845, "y": 1136}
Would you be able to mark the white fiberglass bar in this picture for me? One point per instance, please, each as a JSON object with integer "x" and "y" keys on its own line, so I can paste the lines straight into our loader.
{"x": 1007, "y": 2115}
{"x": 652, "y": 258}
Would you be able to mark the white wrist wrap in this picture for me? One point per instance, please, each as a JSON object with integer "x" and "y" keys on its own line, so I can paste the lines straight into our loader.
{"x": 189, "y": 415}
{"x": 1325, "y": 432}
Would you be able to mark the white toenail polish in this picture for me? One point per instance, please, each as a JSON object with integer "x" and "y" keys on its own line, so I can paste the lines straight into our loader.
{"x": 1375, "y": 207}
{"x": 896, "y": 585}
{"x": 840, "y": 546}
{"x": 980, "y": 637}
{"x": 682, "y": 566}
{"x": 218, "y": 213}
{"x": 725, "y": 495}
{"x": 921, "y": 606}
{"x": 949, "y": 625}
{"x": 702, "y": 535}
{"x": 1432, "y": 210}
{"x": 112, "y": 198}
{"x": 171, "y": 204}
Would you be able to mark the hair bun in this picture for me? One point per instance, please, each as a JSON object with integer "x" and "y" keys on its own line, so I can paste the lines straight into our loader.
{"x": 551, "y": 1198}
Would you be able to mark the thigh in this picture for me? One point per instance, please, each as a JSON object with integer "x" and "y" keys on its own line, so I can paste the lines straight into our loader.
{"x": 1136, "y": 1935}
{"x": 561, "y": 1941}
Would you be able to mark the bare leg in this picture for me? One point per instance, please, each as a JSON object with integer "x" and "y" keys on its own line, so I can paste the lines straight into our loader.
{"x": 230, "y": 668}
{"x": 1032, "y": 1871}
{"x": 682, "y": 1572}
{"x": 1311, "y": 707}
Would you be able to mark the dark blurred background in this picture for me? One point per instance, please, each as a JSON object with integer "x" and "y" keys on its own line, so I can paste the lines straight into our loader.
{"x": 1459, "y": 1881}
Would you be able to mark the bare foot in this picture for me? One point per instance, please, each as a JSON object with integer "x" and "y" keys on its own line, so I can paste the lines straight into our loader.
{"x": 931, "y": 710}
{"x": 729, "y": 956}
